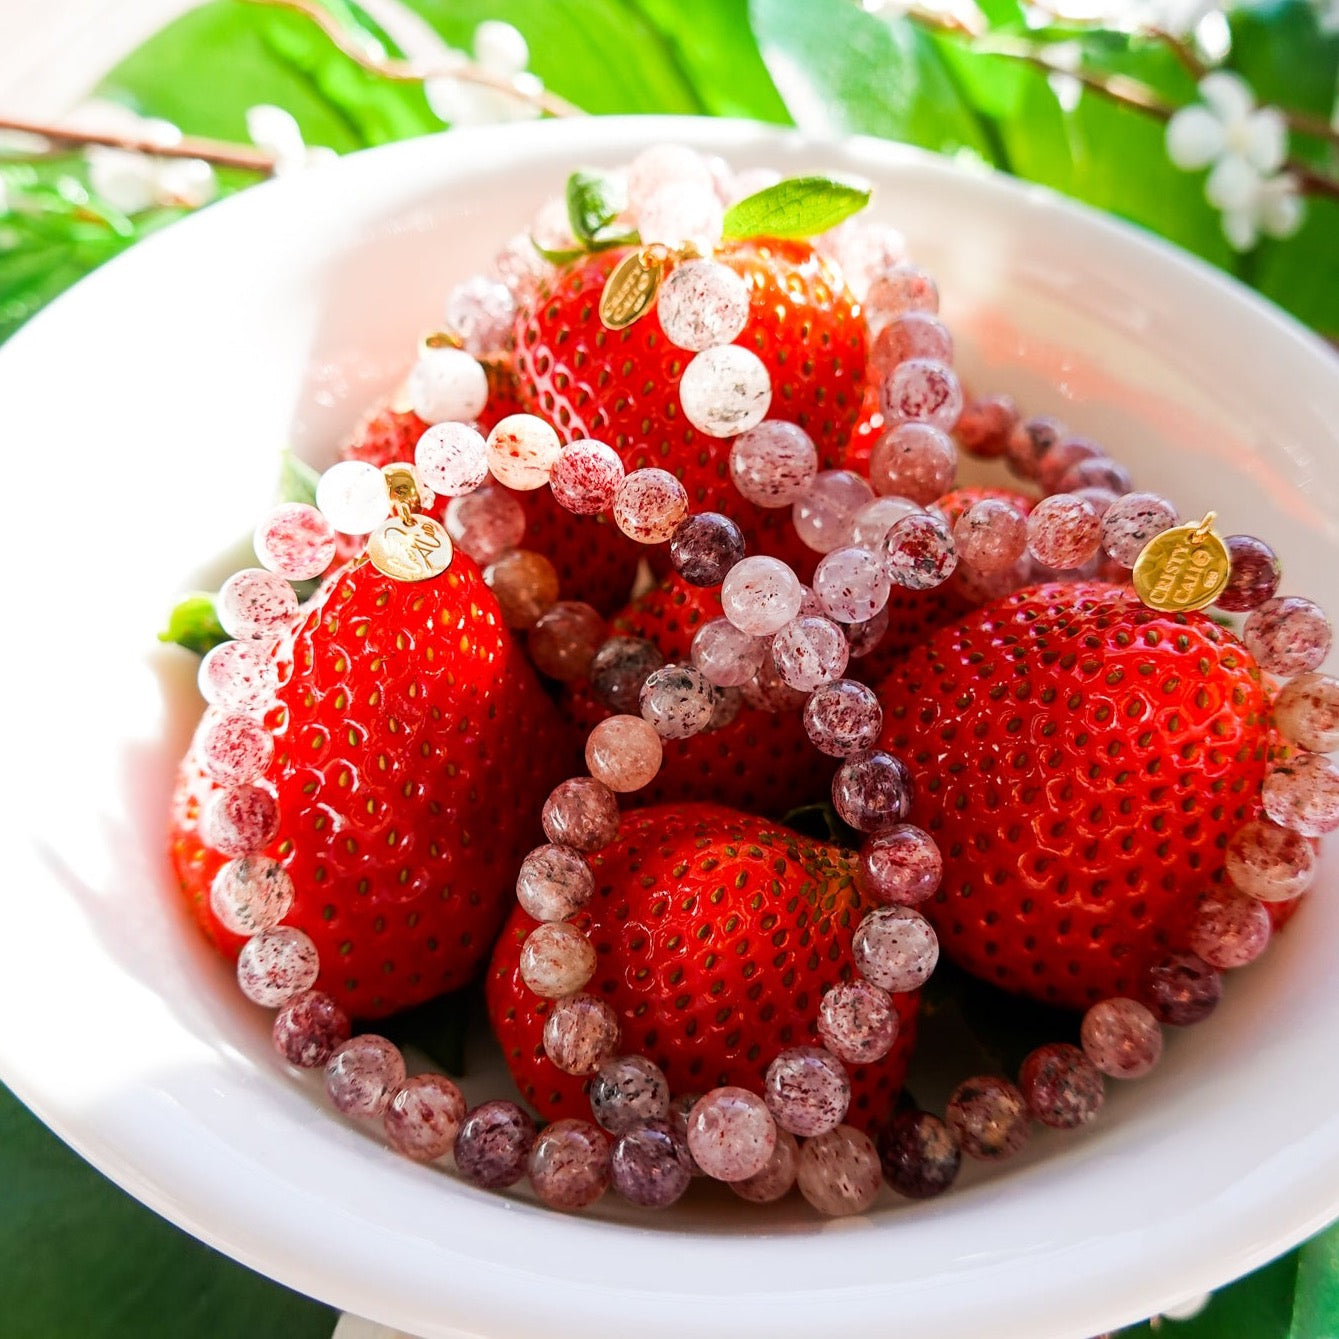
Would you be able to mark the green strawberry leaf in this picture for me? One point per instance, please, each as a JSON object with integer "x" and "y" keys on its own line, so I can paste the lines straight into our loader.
{"x": 297, "y": 479}
{"x": 194, "y": 624}
{"x": 796, "y": 207}
{"x": 594, "y": 201}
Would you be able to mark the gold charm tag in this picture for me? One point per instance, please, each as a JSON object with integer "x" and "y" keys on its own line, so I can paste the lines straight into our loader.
{"x": 632, "y": 287}
{"x": 1183, "y": 568}
{"x": 410, "y": 548}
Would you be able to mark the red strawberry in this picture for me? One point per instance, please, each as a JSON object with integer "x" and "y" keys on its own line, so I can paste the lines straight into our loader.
{"x": 867, "y": 431}
{"x": 717, "y": 935}
{"x": 1082, "y": 761}
{"x": 414, "y": 749}
{"x": 593, "y": 560}
{"x": 762, "y": 761}
{"x": 622, "y": 387}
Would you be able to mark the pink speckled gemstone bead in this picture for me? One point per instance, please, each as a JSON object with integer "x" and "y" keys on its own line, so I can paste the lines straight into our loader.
{"x": 234, "y": 749}
{"x": 702, "y": 303}
{"x": 989, "y": 1116}
{"x": 569, "y": 1164}
{"x": 1230, "y": 929}
{"x": 1254, "y": 577}
{"x": 920, "y": 1154}
{"x": 525, "y": 585}
{"x": 679, "y": 213}
{"x": 1096, "y": 472}
{"x": 990, "y": 536}
{"x": 1269, "y": 862}
{"x": 554, "y": 883}
{"x": 851, "y": 584}
{"x": 239, "y": 676}
{"x": 1181, "y": 989}
{"x": 255, "y": 605}
{"x": 727, "y": 657}
{"x": 864, "y": 638}
{"x": 452, "y": 458}
{"x": 760, "y": 595}
{"x": 871, "y": 524}
{"x": 865, "y": 250}
{"x": 839, "y": 1172}
{"x": 565, "y": 639}
{"x": 824, "y": 516}
{"x": 768, "y": 691}
{"x": 556, "y": 960}
{"x": 522, "y": 451}
{"x": 857, "y": 1022}
{"x": 703, "y": 548}
{"x": 586, "y": 476}
{"x": 295, "y": 541}
{"x": 807, "y": 1090}
{"x": 773, "y": 464}
{"x": 1122, "y": 1038}
{"x": 624, "y": 753}
{"x": 481, "y": 311}
{"x": 809, "y": 652}
{"x": 678, "y": 701}
{"x": 493, "y": 1144}
{"x": 651, "y": 1166}
{"x": 309, "y": 1029}
{"x": 485, "y": 524}
{"x": 842, "y": 718}
{"x": 1063, "y": 531}
{"x": 1288, "y": 635}
{"x": 1029, "y": 441}
{"x": 620, "y": 667}
{"x": 424, "y": 1116}
{"x": 905, "y": 288}
{"x": 277, "y": 964}
{"x": 362, "y": 1075}
{"x": 446, "y": 383}
{"x": 1062, "y": 457}
{"x": 901, "y": 866}
{"x": 919, "y": 552}
{"x": 520, "y": 267}
{"x": 725, "y": 390}
{"x": 582, "y": 813}
{"x": 924, "y": 390}
{"x": 661, "y": 165}
{"x": 913, "y": 460}
{"x": 731, "y": 1134}
{"x": 872, "y": 790}
{"x": 251, "y": 894}
{"x": 896, "y": 948}
{"x": 777, "y": 1178}
{"x": 1063, "y": 1088}
{"x": 239, "y": 820}
{"x": 579, "y": 1033}
{"x": 914, "y": 334}
{"x": 1303, "y": 794}
{"x": 984, "y": 426}
{"x": 1306, "y": 712}
{"x": 649, "y": 505}
{"x": 1131, "y": 521}
{"x": 626, "y": 1091}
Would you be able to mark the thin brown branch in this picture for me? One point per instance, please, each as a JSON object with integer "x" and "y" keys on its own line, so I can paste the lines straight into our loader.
{"x": 219, "y": 152}
{"x": 411, "y": 72}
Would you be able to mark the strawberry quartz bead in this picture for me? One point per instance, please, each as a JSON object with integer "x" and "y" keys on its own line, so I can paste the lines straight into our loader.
{"x": 554, "y": 882}
{"x": 919, "y": 1154}
{"x": 919, "y": 552}
{"x": 857, "y": 1022}
{"x": 725, "y": 390}
{"x": 661, "y": 165}
{"x": 1062, "y": 457}
{"x": 526, "y": 586}
{"x": 864, "y": 638}
{"x": 423, "y": 1118}
{"x": 1029, "y": 442}
{"x": 809, "y": 652}
{"x": 990, "y": 1118}
{"x": 768, "y": 691}
{"x": 1306, "y": 712}
{"x": 251, "y": 894}
{"x": 1303, "y": 794}
{"x": 586, "y": 476}
{"x": 522, "y": 451}
{"x": 843, "y": 718}
{"x": 1230, "y": 929}
{"x": 624, "y": 752}
{"x": 650, "y": 1165}
{"x": 619, "y": 670}
{"x": 773, "y": 464}
{"x": 581, "y": 813}
{"x": 807, "y": 1090}
{"x": 776, "y": 1179}
{"x": 824, "y": 516}
{"x": 295, "y": 541}
{"x": 239, "y": 820}
{"x": 556, "y": 960}
{"x": 871, "y": 524}
{"x": 481, "y": 311}
{"x": 984, "y": 426}
{"x": 353, "y": 497}
{"x": 1287, "y": 635}
{"x": 680, "y": 214}
{"x": 485, "y": 524}
{"x": 234, "y": 749}
{"x": 1271, "y": 863}
{"x": 851, "y": 585}
{"x": 240, "y": 677}
{"x": 649, "y": 506}
{"x": 865, "y": 252}
{"x": 1254, "y": 576}
{"x": 990, "y": 536}
{"x": 924, "y": 390}
{"x": 1131, "y": 521}
{"x": 872, "y": 790}
{"x": 452, "y": 459}
{"x": 895, "y": 948}
{"x": 579, "y": 1033}
{"x": 1181, "y": 989}
{"x": 839, "y": 1172}
{"x": 564, "y": 640}
{"x": 731, "y": 1134}
{"x": 363, "y": 1074}
{"x": 626, "y": 1091}
{"x": 760, "y": 595}
{"x": 277, "y": 964}
{"x": 1098, "y": 472}
{"x": 913, "y": 460}
{"x": 905, "y": 288}
{"x": 493, "y": 1145}
{"x": 569, "y": 1164}
{"x": 703, "y": 548}
{"x": 702, "y": 304}
{"x": 309, "y": 1029}
{"x": 255, "y": 605}
{"x": 1063, "y": 531}
{"x": 447, "y": 384}
{"x": 911, "y": 335}
{"x": 677, "y": 701}
{"x": 901, "y": 866}
{"x": 1062, "y": 1086}
{"x": 725, "y": 656}
{"x": 1122, "y": 1038}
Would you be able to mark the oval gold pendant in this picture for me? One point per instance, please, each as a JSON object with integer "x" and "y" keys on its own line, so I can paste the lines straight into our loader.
{"x": 410, "y": 550}
{"x": 1184, "y": 568}
{"x": 630, "y": 289}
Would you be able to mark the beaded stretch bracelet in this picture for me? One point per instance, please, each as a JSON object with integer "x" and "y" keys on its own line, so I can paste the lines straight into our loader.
{"x": 789, "y": 643}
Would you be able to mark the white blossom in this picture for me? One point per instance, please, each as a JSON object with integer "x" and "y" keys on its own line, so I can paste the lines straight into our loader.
{"x": 501, "y": 50}
{"x": 275, "y": 129}
{"x": 1327, "y": 15}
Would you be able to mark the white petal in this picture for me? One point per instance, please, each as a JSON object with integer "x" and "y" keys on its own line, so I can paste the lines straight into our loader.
{"x": 1280, "y": 207}
{"x": 1191, "y": 1307}
{"x": 500, "y": 48}
{"x": 319, "y": 155}
{"x": 274, "y": 129}
{"x": 1266, "y": 139}
{"x": 125, "y": 180}
{"x": 450, "y": 100}
{"x": 1194, "y": 138}
{"x": 184, "y": 181}
{"x": 1233, "y": 184}
{"x": 100, "y": 116}
{"x": 1240, "y": 229}
{"x": 158, "y": 131}
{"x": 1229, "y": 96}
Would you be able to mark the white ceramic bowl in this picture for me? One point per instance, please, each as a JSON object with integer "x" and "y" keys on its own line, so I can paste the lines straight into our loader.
{"x": 143, "y": 413}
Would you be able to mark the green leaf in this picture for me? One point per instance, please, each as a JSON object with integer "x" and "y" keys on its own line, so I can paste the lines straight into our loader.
{"x": 194, "y": 624}
{"x": 297, "y": 479}
{"x": 594, "y": 201}
{"x": 1315, "y": 1310}
{"x": 1258, "y": 1306}
{"x": 87, "y": 1262}
{"x": 796, "y": 207}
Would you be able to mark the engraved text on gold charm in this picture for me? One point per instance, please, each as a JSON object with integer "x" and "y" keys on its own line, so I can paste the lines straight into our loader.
{"x": 1184, "y": 568}
{"x": 631, "y": 288}
{"x": 410, "y": 550}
